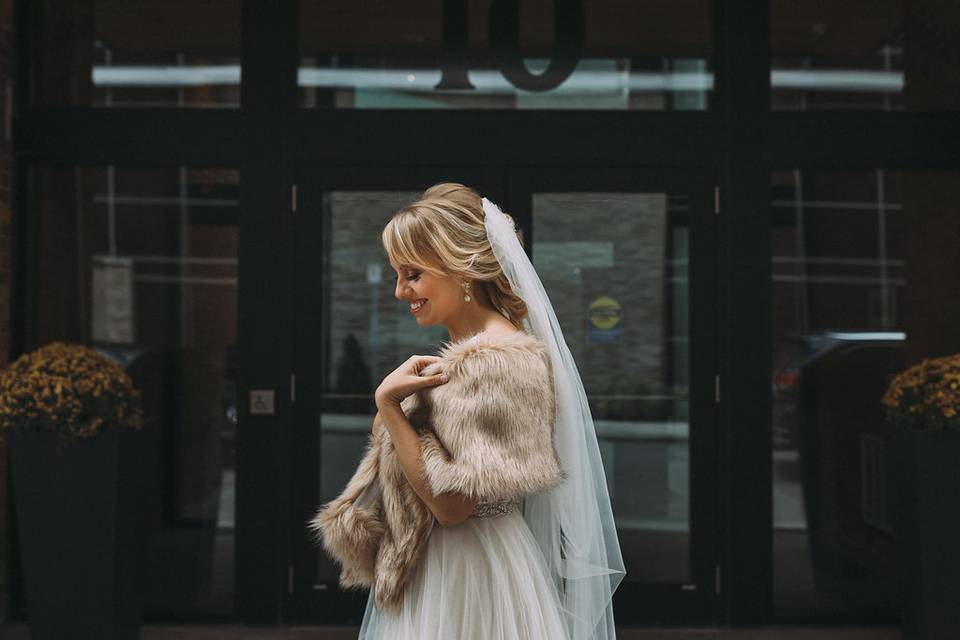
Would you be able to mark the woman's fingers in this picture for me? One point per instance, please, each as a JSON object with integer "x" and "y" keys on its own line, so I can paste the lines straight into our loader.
{"x": 438, "y": 378}
{"x": 419, "y": 362}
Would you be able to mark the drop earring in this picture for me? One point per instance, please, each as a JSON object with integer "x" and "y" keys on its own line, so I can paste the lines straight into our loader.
{"x": 466, "y": 295}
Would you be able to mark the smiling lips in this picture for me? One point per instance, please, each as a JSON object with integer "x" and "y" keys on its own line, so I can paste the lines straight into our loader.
{"x": 417, "y": 305}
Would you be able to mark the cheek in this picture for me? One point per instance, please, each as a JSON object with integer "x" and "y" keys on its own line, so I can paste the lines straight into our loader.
{"x": 434, "y": 291}
{"x": 440, "y": 293}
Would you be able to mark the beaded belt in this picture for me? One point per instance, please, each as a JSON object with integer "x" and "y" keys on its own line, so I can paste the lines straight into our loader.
{"x": 491, "y": 509}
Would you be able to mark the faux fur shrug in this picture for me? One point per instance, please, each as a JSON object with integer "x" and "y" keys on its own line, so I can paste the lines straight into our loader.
{"x": 487, "y": 432}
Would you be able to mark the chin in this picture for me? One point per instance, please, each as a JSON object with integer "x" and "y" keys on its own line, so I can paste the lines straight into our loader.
{"x": 426, "y": 322}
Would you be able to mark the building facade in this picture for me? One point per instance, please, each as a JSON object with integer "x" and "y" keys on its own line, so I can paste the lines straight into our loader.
{"x": 742, "y": 210}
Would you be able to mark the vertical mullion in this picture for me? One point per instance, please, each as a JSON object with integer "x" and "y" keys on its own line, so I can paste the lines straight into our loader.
{"x": 268, "y": 96}
{"x": 704, "y": 438}
{"x": 742, "y": 50}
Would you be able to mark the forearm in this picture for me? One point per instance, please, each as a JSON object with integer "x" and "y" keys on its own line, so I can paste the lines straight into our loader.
{"x": 448, "y": 508}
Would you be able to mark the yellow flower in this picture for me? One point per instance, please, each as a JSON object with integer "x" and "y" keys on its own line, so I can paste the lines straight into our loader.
{"x": 52, "y": 387}
{"x": 931, "y": 383}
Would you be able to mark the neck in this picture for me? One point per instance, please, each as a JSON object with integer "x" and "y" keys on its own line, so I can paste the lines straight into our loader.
{"x": 484, "y": 321}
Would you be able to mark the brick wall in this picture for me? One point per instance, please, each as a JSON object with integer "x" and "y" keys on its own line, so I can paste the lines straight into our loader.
{"x": 6, "y": 186}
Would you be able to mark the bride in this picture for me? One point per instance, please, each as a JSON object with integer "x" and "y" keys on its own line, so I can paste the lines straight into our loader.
{"x": 479, "y": 509}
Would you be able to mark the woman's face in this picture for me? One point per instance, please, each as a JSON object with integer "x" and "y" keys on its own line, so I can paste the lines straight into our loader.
{"x": 442, "y": 296}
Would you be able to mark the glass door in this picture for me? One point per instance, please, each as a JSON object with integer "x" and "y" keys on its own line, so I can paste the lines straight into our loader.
{"x": 626, "y": 257}
{"x": 350, "y": 332}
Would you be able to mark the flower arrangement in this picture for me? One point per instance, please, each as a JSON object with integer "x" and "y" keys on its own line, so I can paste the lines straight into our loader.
{"x": 68, "y": 388}
{"x": 925, "y": 396}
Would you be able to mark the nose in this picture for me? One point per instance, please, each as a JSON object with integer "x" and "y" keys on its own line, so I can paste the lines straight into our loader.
{"x": 398, "y": 289}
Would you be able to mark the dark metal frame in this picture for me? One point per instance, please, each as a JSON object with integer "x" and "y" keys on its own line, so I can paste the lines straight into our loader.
{"x": 738, "y": 139}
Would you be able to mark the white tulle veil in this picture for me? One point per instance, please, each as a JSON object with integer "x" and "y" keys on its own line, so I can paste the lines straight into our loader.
{"x": 573, "y": 523}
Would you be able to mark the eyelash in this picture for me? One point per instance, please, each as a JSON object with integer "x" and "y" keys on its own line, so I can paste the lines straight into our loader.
{"x": 414, "y": 277}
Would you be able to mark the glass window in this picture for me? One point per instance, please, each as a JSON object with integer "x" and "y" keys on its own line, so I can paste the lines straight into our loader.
{"x": 136, "y": 53}
{"x": 864, "y": 285}
{"x": 563, "y": 55}
{"x": 888, "y": 55}
{"x": 369, "y": 332}
{"x": 615, "y": 266}
{"x": 141, "y": 264}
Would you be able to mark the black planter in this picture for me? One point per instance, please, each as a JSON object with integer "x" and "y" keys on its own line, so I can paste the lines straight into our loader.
{"x": 80, "y": 533}
{"x": 924, "y": 472}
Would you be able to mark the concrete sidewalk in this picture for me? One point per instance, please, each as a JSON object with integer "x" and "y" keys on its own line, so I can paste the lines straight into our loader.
{"x": 239, "y": 632}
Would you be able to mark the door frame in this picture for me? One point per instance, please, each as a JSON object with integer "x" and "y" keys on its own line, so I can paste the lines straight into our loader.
{"x": 304, "y": 602}
{"x": 634, "y": 603}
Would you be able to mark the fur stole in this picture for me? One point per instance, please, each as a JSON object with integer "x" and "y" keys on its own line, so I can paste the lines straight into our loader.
{"x": 487, "y": 432}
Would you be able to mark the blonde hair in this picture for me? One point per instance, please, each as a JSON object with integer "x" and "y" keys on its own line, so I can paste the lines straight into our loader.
{"x": 443, "y": 232}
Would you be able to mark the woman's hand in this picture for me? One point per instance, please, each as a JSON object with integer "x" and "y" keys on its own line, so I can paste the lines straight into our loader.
{"x": 405, "y": 380}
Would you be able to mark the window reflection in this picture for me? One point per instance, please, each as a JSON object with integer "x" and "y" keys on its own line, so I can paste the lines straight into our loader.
{"x": 369, "y": 333}
{"x": 141, "y": 263}
{"x": 886, "y": 56}
{"x": 862, "y": 287}
{"x": 615, "y": 266}
{"x": 137, "y": 53}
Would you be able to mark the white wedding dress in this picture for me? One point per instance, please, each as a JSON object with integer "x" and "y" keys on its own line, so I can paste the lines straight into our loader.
{"x": 483, "y": 579}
